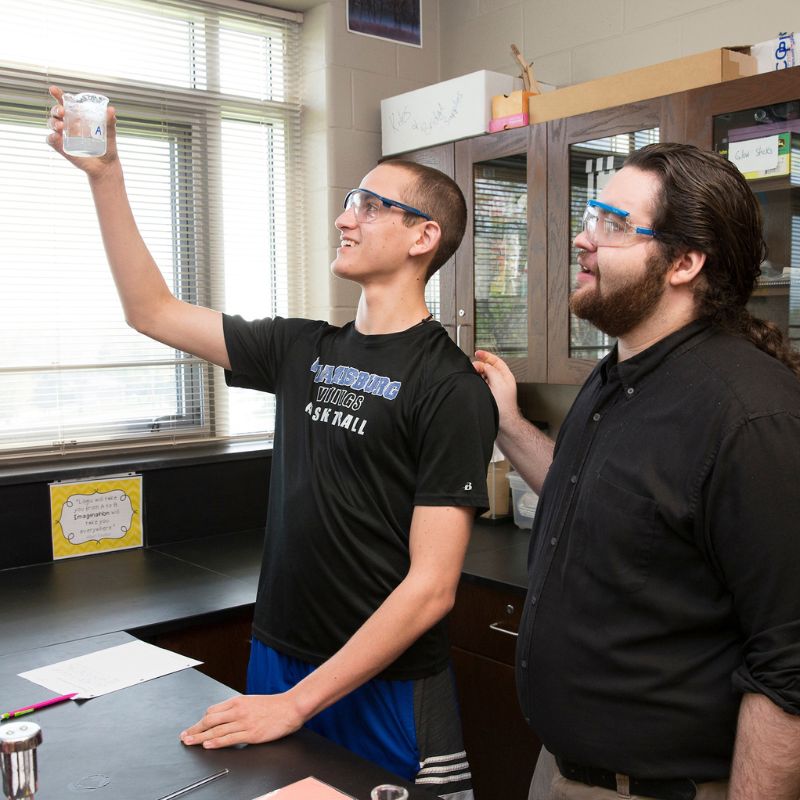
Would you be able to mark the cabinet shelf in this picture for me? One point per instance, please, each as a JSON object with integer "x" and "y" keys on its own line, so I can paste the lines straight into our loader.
{"x": 784, "y": 183}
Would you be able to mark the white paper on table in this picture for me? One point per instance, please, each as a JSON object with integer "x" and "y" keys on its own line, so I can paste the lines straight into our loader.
{"x": 108, "y": 670}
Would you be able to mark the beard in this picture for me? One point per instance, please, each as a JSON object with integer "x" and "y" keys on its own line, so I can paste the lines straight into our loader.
{"x": 621, "y": 308}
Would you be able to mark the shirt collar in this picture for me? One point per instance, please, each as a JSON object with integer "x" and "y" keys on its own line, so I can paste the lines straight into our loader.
{"x": 634, "y": 369}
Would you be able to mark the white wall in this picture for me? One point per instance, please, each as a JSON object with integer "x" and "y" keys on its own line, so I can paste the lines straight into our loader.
{"x": 571, "y": 41}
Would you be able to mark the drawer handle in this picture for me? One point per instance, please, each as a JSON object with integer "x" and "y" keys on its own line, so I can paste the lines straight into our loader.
{"x": 498, "y": 626}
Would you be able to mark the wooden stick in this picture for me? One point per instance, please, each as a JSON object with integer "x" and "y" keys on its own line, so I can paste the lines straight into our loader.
{"x": 526, "y": 80}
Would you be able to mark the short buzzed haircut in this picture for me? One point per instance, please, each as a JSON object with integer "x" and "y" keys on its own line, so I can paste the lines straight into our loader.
{"x": 437, "y": 195}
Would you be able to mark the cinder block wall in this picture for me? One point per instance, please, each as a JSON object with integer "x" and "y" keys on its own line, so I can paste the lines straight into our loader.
{"x": 345, "y": 77}
{"x": 571, "y": 41}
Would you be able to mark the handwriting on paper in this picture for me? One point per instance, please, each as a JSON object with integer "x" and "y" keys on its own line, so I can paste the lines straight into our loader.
{"x": 755, "y": 155}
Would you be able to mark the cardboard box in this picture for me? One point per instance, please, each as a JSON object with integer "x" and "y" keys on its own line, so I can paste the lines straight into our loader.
{"x": 443, "y": 112}
{"x": 499, "y": 494}
{"x": 511, "y": 104}
{"x": 505, "y": 123}
{"x": 678, "y": 75}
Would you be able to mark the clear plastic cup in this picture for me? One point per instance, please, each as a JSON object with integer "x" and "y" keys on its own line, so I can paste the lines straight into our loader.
{"x": 387, "y": 791}
{"x": 85, "y": 124}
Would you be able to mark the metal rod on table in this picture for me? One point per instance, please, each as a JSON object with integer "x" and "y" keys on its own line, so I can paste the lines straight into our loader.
{"x": 195, "y": 785}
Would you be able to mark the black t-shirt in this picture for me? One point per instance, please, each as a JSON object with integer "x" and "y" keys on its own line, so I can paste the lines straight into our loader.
{"x": 367, "y": 427}
{"x": 664, "y": 560}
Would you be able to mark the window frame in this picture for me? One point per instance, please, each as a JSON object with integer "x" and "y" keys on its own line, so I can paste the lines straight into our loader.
{"x": 197, "y": 385}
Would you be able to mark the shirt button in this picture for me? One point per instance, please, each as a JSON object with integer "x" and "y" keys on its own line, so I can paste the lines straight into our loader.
{"x": 533, "y": 599}
{"x": 573, "y": 479}
{"x": 630, "y": 390}
{"x": 523, "y": 664}
{"x": 528, "y": 720}
{"x": 596, "y": 417}
{"x": 553, "y": 541}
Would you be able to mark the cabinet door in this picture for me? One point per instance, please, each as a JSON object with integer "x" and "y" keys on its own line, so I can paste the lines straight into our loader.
{"x": 221, "y": 641}
{"x": 501, "y": 291}
{"x": 501, "y": 747}
{"x": 735, "y": 119}
{"x": 583, "y": 153}
{"x": 440, "y": 293}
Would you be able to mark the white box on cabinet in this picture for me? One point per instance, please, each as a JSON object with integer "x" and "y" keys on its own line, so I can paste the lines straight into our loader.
{"x": 443, "y": 112}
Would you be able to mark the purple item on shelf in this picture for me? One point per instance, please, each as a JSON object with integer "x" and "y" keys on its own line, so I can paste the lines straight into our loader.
{"x": 757, "y": 131}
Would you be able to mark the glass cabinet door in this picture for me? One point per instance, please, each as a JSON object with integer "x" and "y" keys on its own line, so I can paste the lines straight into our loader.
{"x": 755, "y": 122}
{"x": 440, "y": 291}
{"x": 500, "y": 258}
{"x": 499, "y": 301}
{"x": 584, "y": 153}
{"x": 591, "y": 165}
{"x": 764, "y": 142}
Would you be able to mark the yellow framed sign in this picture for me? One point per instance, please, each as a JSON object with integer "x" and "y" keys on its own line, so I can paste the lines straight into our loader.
{"x": 96, "y": 516}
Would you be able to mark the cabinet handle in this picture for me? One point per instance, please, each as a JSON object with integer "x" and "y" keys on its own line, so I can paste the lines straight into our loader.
{"x": 458, "y": 331}
{"x": 498, "y": 626}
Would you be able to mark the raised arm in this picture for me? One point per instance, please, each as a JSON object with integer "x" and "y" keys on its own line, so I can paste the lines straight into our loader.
{"x": 525, "y": 446}
{"x": 148, "y": 304}
{"x": 438, "y": 543}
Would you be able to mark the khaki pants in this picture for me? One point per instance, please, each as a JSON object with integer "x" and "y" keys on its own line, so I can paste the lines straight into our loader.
{"x": 549, "y": 784}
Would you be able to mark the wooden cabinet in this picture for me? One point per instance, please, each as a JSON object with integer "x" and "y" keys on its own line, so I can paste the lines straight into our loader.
{"x": 762, "y": 112}
{"x": 500, "y": 304}
{"x": 508, "y": 288}
{"x": 501, "y": 748}
{"x": 220, "y": 640}
{"x": 484, "y": 295}
{"x": 440, "y": 293}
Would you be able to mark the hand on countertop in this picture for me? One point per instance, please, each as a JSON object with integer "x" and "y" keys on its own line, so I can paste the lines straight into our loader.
{"x": 245, "y": 719}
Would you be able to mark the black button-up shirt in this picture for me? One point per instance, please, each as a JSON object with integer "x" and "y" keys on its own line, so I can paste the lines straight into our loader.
{"x": 664, "y": 570}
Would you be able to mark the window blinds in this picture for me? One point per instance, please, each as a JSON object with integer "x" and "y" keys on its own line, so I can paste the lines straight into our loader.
{"x": 208, "y": 110}
{"x": 501, "y": 256}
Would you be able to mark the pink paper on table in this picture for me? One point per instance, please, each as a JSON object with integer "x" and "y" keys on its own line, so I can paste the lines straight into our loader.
{"x": 306, "y": 789}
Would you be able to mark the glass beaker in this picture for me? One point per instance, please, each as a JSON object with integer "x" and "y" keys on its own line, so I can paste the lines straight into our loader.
{"x": 85, "y": 124}
{"x": 387, "y": 791}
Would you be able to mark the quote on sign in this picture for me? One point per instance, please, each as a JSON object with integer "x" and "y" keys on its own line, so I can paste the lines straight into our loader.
{"x": 96, "y": 516}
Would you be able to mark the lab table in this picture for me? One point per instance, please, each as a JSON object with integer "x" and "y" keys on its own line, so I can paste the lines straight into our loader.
{"x": 128, "y": 739}
{"x": 124, "y": 745}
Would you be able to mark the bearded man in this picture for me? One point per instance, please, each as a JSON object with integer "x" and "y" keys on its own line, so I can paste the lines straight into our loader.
{"x": 659, "y": 650}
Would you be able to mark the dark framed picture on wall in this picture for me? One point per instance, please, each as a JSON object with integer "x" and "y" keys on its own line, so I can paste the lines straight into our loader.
{"x": 395, "y": 20}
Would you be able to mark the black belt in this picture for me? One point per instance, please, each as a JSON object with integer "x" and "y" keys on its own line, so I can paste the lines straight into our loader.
{"x": 659, "y": 788}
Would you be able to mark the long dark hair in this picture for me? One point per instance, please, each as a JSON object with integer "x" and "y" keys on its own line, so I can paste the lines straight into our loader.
{"x": 705, "y": 204}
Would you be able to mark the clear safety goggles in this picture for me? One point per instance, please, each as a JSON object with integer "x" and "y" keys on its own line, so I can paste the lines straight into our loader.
{"x": 608, "y": 226}
{"x": 368, "y": 206}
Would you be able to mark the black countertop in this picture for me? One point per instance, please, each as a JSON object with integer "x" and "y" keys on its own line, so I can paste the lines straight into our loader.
{"x": 498, "y": 555}
{"x": 124, "y": 745}
{"x": 58, "y": 610}
{"x": 137, "y": 589}
{"x": 93, "y": 595}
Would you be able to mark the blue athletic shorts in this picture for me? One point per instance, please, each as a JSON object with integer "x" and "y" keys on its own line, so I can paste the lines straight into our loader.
{"x": 410, "y": 728}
